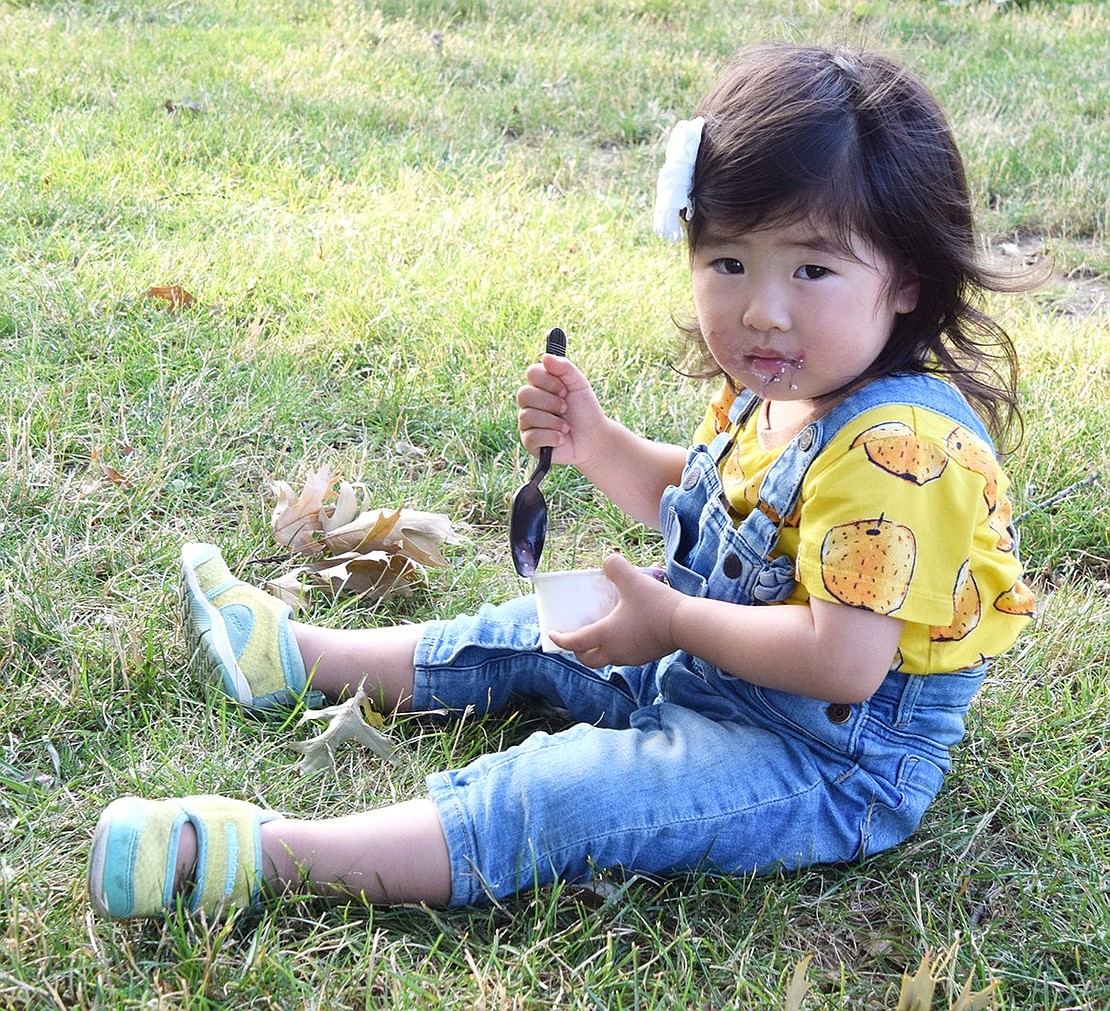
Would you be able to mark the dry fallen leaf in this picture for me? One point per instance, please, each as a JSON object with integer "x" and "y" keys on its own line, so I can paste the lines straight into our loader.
{"x": 975, "y": 1000}
{"x": 367, "y": 531}
{"x": 101, "y": 472}
{"x": 918, "y": 990}
{"x": 343, "y": 511}
{"x": 799, "y": 986}
{"x": 371, "y": 576}
{"x": 175, "y": 297}
{"x": 411, "y": 532}
{"x": 347, "y": 721}
{"x": 295, "y": 520}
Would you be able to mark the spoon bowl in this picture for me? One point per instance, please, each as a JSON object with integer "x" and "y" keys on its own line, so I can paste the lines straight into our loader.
{"x": 528, "y": 512}
{"x": 528, "y": 520}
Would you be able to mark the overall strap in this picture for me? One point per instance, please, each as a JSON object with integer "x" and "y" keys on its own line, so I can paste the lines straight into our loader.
{"x": 743, "y": 406}
{"x": 739, "y": 411}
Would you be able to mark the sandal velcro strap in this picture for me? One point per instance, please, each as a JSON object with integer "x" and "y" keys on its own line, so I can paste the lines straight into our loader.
{"x": 229, "y": 852}
{"x": 133, "y": 857}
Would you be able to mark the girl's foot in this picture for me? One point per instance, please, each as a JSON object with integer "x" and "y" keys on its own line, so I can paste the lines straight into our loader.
{"x": 134, "y": 866}
{"x": 241, "y": 634}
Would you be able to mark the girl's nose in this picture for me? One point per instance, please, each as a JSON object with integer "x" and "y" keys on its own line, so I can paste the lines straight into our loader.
{"x": 765, "y": 310}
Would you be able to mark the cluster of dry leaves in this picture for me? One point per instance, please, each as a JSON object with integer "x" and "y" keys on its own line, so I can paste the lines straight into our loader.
{"x": 173, "y": 296}
{"x": 351, "y": 550}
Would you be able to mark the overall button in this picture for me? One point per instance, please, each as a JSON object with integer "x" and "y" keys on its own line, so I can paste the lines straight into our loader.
{"x": 692, "y": 477}
{"x": 732, "y": 566}
{"x": 839, "y": 712}
{"x": 805, "y": 440}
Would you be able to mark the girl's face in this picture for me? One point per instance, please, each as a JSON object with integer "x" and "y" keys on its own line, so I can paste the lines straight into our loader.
{"x": 788, "y": 313}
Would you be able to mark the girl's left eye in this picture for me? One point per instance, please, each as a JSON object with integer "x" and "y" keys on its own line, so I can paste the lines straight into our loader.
{"x": 811, "y": 272}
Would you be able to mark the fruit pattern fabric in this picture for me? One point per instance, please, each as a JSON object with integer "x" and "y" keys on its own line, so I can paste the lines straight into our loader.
{"x": 904, "y": 513}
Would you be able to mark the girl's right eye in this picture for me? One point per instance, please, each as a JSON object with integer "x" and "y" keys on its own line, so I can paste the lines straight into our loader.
{"x": 727, "y": 265}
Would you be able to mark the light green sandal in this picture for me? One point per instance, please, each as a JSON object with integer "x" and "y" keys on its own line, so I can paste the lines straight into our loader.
{"x": 133, "y": 857}
{"x": 240, "y": 635}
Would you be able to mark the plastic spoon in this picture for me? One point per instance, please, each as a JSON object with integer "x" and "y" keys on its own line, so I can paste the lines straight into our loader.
{"x": 528, "y": 513}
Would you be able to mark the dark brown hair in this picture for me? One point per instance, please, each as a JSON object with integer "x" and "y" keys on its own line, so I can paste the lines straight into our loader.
{"x": 851, "y": 139}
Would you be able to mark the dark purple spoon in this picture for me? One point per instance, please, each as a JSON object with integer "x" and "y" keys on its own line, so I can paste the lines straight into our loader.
{"x": 528, "y": 513}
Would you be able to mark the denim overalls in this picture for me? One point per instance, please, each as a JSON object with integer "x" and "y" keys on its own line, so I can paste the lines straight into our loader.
{"x": 675, "y": 765}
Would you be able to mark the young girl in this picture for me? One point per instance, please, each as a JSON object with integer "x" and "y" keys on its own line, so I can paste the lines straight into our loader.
{"x": 840, "y": 561}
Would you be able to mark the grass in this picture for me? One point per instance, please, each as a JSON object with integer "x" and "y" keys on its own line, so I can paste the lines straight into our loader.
{"x": 380, "y": 209}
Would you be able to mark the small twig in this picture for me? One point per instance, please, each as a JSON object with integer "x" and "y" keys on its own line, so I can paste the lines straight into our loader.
{"x": 1059, "y": 497}
{"x": 272, "y": 560}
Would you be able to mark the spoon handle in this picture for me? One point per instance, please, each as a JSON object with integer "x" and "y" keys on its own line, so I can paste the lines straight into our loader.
{"x": 556, "y": 342}
{"x": 556, "y": 345}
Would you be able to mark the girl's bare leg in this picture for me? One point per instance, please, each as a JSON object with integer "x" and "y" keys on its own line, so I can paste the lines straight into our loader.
{"x": 339, "y": 660}
{"x": 393, "y": 854}
{"x": 388, "y": 855}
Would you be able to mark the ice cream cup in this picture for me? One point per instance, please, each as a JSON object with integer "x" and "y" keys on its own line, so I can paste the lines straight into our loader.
{"x": 568, "y": 600}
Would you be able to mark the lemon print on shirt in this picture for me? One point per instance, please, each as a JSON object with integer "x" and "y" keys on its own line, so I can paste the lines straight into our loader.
{"x": 1000, "y": 523}
{"x": 1018, "y": 599}
{"x": 720, "y": 406}
{"x": 894, "y": 447}
{"x": 967, "y": 609}
{"x": 970, "y": 452}
{"x": 869, "y": 563}
{"x": 736, "y": 481}
{"x": 733, "y": 470}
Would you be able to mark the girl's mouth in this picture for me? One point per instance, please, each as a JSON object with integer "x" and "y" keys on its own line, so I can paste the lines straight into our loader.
{"x": 766, "y": 365}
{"x": 770, "y": 368}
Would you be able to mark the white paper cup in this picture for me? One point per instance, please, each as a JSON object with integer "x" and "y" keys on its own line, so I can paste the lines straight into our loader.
{"x": 566, "y": 601}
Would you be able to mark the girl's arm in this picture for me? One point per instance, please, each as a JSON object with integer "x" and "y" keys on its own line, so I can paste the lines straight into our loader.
{"x": 821, "y": 649}
{"x": 558, "y": 408}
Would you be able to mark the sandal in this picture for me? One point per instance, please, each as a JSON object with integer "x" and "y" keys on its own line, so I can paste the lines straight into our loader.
{"x": 240, "y": 635}
{"x": 133, "y": 858}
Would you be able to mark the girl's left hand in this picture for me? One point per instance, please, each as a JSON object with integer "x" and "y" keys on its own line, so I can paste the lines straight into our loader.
{"x": 636, "y": 631}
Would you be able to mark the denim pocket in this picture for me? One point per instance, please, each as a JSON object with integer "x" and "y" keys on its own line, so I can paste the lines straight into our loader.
{"x": 836, "y": 726}
{"x": 680, "y": 576}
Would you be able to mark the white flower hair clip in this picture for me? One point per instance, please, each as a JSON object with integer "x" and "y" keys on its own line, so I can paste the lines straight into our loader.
{"x": 676, "y": 179}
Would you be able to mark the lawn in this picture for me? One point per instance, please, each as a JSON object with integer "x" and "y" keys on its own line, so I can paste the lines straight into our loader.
{"x": 378, "y": 210}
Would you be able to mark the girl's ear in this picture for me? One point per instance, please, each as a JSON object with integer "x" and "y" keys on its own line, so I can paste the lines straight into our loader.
{"x": 907, "y": 292}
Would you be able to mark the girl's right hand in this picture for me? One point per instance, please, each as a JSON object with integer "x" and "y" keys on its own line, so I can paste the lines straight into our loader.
{"x": 558, "y": 408}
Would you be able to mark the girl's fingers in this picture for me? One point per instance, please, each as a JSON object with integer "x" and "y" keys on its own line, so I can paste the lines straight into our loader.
{"x": 531, "y": 398}
{"x": 529, "y": 420}
{"x": 535, "y": 439}
{"x": 538, "y": 375}
{"x": 572, "y": 642}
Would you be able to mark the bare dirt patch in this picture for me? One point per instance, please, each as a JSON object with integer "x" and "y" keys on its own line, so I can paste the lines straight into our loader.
{"x": 1071, "y": 288}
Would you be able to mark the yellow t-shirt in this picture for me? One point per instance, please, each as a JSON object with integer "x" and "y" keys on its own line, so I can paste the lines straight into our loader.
{"x": 904, "y": 513}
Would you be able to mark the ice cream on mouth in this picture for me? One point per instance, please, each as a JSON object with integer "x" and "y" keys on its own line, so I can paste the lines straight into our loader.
{"x": 770, "y": 369}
